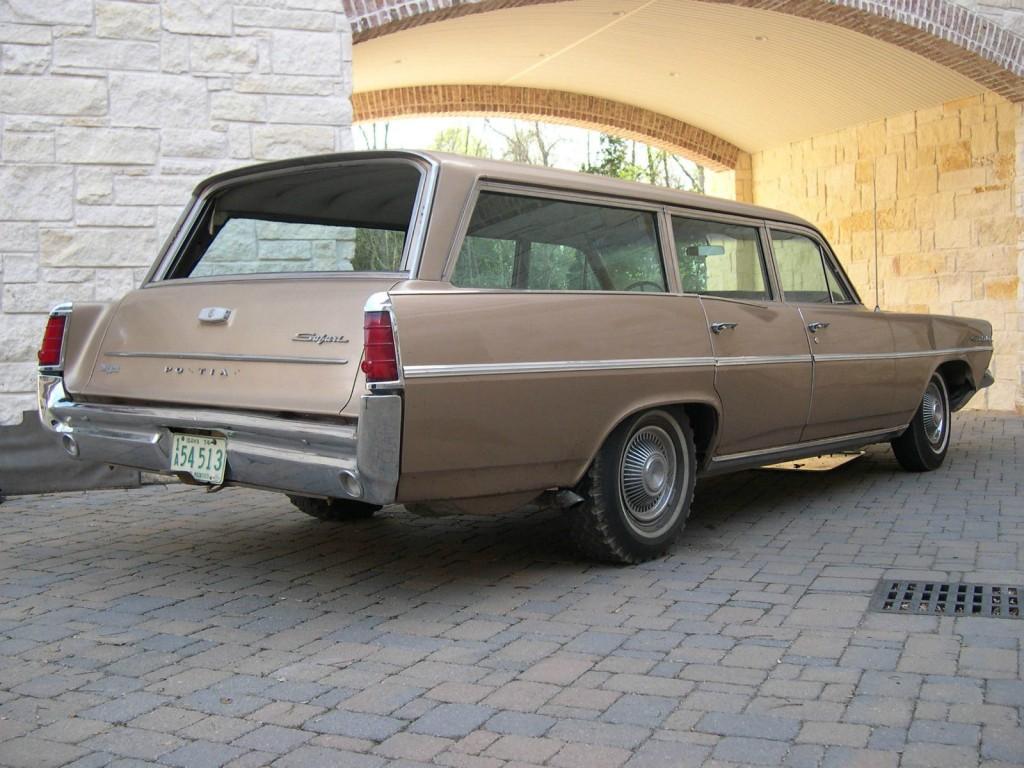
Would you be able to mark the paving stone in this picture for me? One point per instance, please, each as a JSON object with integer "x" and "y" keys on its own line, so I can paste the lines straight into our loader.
{"x": 28, "y": 752}
{"x": 125, "y": 708}
{"x": 607, "y": 734}
{"x": 202, "y": 754}
{"x": 323, "y": 757}
{"x": 521, "y": 695}
{"x": 1003, "y": 743}
{"x": 668, "y": 754}
{"x": 751, "y": 726}
{"x": 880, "y": 710}
{"x": 134, "y": 742}
{"x": 452, "y": 721}
{"x": 751, "y": 751}
{"x": 647, "y": 711}
{"x": 944, "y": 733}
{"x": 219, "y": 729}
{"x": 356, "y": 725}
{"x": 525, "y": 749}
{"x": 587, "y": 756}
{"x": 273, "y": 738}
{"x": 848, "y": 757}
{"x": 840, "y": 734}
{"x": 520, "y": 724}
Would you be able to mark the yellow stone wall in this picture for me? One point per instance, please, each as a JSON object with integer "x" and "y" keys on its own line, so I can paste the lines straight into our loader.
{"x": 950, "y": 204}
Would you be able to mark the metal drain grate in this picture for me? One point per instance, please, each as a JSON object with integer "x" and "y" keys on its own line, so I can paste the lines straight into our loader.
{"x": 936, "y": 598}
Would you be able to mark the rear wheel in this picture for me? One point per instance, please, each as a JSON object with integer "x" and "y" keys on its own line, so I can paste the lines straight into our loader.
{"x": 333, "y": 510}
{"x": 923, "y": 446}
{"x": 639, "y": 490}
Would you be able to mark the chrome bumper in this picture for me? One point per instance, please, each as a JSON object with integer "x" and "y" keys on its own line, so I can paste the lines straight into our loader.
{"x": 302, "y": 457}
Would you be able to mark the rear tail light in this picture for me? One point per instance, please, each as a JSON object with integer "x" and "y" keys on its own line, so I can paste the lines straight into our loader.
{"x": 380, "y": 354}
{"x": 51, "y": 350}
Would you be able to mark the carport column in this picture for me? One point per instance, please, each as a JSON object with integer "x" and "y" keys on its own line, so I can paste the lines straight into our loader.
{"x": 1019, "y": 200}
{"x": 736, "y": 184}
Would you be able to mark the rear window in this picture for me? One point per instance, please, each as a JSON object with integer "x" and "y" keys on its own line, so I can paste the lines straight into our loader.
{"x": 542, "y": 244}
{"x": 347, "y": 218}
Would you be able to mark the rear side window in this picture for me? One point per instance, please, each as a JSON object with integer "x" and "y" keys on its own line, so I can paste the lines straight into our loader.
{"x": 802, "y": 270}
{"x": 538, "y": 244}
{"x": 720, "y": 259}
{"x": 352, "y": 218}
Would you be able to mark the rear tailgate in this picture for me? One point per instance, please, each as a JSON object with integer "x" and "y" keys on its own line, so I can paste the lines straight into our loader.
{"x": 280, "y": 344}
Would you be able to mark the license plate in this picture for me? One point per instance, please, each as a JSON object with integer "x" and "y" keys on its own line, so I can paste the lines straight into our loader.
{"x": 202, "y": 457}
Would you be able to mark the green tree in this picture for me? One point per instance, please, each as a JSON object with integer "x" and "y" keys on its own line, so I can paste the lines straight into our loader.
{"x": 461, "y": 141}
{"x": 614, "y": 159}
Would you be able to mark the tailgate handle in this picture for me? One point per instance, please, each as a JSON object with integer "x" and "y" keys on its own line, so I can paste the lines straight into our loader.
{"x": 214, "y": 315}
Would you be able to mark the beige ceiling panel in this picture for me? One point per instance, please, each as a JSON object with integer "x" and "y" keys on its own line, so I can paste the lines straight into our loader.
{"x": 756, "y": 78}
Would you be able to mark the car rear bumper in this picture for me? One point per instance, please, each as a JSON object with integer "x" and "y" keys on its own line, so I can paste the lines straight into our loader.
{"x": 356, "y": 461}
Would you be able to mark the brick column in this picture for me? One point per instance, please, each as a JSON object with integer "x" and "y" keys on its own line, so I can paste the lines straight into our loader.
{"x": 112, "y": 111}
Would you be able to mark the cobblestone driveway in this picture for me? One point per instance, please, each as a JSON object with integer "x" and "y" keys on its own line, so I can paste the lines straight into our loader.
{"x": 171, "y": 626}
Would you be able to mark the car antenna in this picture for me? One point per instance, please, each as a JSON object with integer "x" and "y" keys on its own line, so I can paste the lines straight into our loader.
{"x": 874, "y": 218}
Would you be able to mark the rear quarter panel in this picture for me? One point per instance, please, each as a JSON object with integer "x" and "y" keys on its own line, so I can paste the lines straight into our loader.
{"x": 951, "y": 338}
{"x": 497, "y": 433}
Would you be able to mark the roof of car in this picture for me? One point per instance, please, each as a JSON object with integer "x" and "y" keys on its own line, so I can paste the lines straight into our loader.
{"x": 500, "y": 170}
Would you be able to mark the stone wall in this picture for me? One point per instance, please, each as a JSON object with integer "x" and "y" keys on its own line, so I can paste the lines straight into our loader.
{"x": 1008, "y": 14}
{"x": 950, "y": 202}
{"x": 111, "y": 111}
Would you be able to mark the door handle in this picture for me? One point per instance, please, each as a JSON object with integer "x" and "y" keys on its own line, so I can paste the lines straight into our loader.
{"x": 815, "y": 327}
{"x": 717, "y": 328}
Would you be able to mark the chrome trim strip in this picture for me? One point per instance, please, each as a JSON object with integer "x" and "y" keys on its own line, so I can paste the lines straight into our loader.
{"x": 563, "y": 366}
{"x": 557, "y": 366}
{"x": 215, "y": 356}
{"x": 809, "y": 444}
{"x": 725, "y": 362}
{"x": 898, "y": 355}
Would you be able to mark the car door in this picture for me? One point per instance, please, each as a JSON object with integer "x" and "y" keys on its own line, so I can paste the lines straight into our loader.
{"x": 763, "y": 365}
{"x": 854, "y": 371}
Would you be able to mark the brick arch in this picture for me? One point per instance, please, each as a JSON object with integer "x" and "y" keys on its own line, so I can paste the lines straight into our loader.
{"x": 938, "y": 30}
{"x": 550, "y": 106}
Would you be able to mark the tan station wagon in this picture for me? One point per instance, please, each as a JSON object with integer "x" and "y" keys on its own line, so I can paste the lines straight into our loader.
{"x": 363, "y": 329}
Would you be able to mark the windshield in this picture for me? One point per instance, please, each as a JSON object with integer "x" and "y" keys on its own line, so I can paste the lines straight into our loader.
{"x": 348, "y": 218}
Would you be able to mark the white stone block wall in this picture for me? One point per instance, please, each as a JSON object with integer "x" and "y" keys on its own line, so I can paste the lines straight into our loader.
{"x": 112, "y": 110}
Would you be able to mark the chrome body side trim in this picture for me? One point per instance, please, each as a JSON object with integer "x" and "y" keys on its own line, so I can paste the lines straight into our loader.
{"x": 899, "y": 355}
{"x": 302, "y": 457}
{"x": 724, "y": 362}
{"x": 563, "y": 366}
{"x": 215, "y": 356}
{"x": 557, "y": 366}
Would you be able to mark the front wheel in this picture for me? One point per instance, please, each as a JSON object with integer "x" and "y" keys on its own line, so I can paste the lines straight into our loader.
{"x": 333, "y": 510}
{"x": 923, "y": 446}
{"x": 638, "y": 490}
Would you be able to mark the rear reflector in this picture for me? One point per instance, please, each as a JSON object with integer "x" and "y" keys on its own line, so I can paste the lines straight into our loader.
{"x": 380, "y": 357}
{"x": 53, "y": 340}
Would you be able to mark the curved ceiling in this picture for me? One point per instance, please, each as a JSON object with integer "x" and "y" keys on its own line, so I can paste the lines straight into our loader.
{"x": 756, "y": 78}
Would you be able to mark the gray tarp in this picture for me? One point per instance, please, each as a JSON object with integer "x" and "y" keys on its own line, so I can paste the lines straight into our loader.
{"x": 32, "y": 461}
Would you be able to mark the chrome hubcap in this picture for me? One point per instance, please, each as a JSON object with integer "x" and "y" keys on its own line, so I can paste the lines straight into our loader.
{"x": 933, "y": 413}
{"x": 648, "y": 474}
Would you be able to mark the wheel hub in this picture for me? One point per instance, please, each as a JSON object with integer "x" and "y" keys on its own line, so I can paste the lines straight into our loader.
{"x": 933, "y": 412}
{"x": 647, "y": 474}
